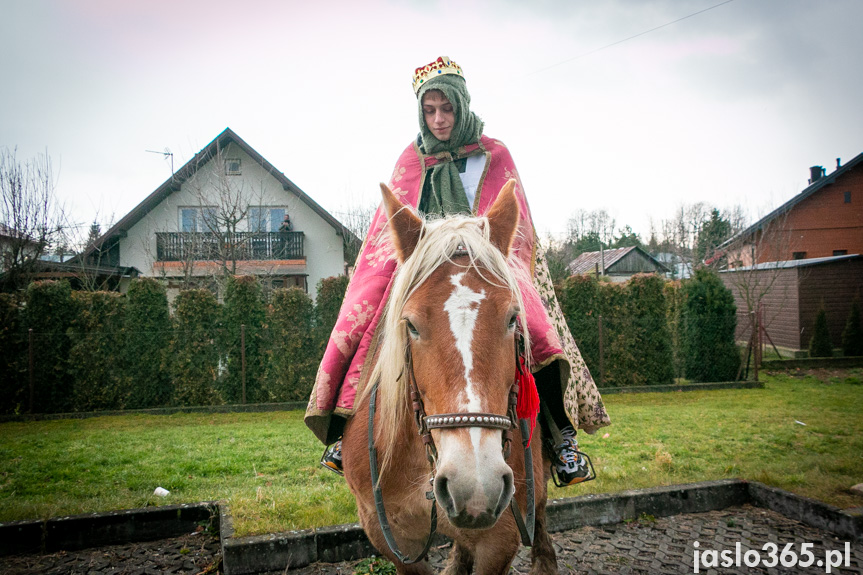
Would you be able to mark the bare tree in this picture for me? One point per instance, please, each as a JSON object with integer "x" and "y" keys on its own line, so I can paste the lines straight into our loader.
{"x": 357, "y": 219}
{"x": 756, "y": 279}
{"x": 30, "y": 215}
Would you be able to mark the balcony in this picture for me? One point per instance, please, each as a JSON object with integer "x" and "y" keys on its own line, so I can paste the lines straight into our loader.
{"x": 242, "y": 246}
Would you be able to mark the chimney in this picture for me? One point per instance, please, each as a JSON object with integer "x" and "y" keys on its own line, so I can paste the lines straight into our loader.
{"x": 815, "y": 173}
{"x": 838, "y": 163}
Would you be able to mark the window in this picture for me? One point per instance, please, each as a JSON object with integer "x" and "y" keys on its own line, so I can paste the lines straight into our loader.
{"x": 201, "y": 219}
{"x": 799, "y": 255}
{"x": 840, "y": 252}
{"x": 847, "y": 197}
{"x": 232, "y": 167}
{"x": 264, "y": 219}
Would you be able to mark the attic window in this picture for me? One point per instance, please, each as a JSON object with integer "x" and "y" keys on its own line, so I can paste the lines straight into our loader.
{"x": 799, "y": 255}
{"x": 232, "y": 167}
{"x": 840, "y": 252}
{"x": 847, "y": 197}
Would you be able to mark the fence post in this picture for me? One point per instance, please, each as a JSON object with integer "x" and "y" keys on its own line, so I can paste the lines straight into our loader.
{"x": 601, "y": 362}
{"x": 30, "y": 370}
{"x": 243, "y": 357}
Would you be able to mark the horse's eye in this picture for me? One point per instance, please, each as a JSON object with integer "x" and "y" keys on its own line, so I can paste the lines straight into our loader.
{"x": 513, "y": 321}
{"x": 412, "y": 330}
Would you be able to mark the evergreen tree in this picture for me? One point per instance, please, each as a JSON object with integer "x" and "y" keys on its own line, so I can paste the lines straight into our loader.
{"x": 194, "y": 356}
{"x": 293, "y": 357}
{"x": 709, "y": 318}
{"x": 49, "y": 311}
{"x": 331, "y": 293}
{"x": 244, "y": 306}
{"x": 820, "y": 344}
{"x": 14, "y": 395}
{"x": 711, "y": 235}
{"x": 147, "y": 333}
{"x": 852, "y": 335}
{"x": 96, "y": 347}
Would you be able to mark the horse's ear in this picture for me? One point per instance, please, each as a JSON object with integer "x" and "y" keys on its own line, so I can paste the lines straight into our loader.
{"x": 503, "y": 218}
{"x": 405, "y": 226}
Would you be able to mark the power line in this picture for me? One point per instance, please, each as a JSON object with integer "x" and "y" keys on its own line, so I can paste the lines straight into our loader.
{"x": 594, "y": 51}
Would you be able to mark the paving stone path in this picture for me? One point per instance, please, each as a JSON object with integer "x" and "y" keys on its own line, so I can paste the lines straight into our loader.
{"x": 195, "y": 553}
{"x": 665, "y": 546}
{"x": 648, "y": 546}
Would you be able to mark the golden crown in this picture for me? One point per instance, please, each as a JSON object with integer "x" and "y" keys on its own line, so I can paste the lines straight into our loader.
{"x": 439, "y": 67}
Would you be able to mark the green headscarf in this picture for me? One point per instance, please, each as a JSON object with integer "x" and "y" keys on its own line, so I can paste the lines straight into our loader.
{"x": 448, "y": 195}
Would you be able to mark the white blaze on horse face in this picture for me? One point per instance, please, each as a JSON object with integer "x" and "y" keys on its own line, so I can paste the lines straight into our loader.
{"x": 462, "y": 307}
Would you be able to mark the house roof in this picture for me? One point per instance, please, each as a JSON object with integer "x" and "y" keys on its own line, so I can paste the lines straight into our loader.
{"x": 788, "y": 264}
{"x": 817, "y": 185}
{"x": 587, "y": 262}
{"x": 174, "y": 183}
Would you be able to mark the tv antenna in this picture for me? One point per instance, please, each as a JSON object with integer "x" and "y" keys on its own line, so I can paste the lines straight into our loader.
{"x": 167, "y": 153}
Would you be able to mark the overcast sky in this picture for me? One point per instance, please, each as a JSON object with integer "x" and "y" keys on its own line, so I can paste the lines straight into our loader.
{"x": 729, "y": 106}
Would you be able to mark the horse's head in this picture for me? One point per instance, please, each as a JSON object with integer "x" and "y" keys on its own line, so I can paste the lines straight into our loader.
{"x": 452, "y": 318}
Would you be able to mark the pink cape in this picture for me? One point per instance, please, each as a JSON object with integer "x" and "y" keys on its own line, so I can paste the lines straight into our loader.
{"x": 343, "y": 366}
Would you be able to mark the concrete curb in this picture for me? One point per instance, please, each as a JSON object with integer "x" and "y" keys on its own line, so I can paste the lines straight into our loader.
{"x": 97, "y": 529}
{"x": 249, "y": 555}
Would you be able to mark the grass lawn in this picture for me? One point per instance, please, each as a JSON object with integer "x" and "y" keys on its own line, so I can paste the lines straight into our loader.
{"x": 266, "y": 464}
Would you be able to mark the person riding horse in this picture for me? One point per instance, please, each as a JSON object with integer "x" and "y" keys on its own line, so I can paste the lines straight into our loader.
{"x": 453, "y": 168}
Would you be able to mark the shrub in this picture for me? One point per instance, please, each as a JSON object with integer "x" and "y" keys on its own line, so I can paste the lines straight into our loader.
{"x": 147, "y": 335}
{"x": 820, "y": 344}
{"x": 852, "y": 335}
{"x": 619, "y": 361}
{"x": 194, "y": 355}
{"x": 709, "y": 319}
{"x": 580, "y": 302}
{"x": 243, "y": 306}
{"x": 97, "y": 381}
{"x": 292, "y": 357}
{"x": 49, "y": 311}
{"x": 331, "y": 293}
{"x": 14, "y": 396}
{"x": 650, "y": 334}
{"x": 673, "y": 299}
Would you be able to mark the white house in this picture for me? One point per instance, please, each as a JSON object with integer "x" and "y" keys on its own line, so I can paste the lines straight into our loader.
{"x": 224, "y": 212}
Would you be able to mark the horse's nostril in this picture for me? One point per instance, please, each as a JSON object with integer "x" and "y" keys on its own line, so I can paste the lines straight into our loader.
{"x": 442, "y": 494}
{"x": 505, "y": 494}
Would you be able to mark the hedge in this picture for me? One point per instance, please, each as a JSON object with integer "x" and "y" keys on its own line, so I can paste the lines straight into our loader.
{"x": 636, "y": 342}
{"x": 14, "y": 359}
{"x": 292, "y": 356}
{"x": 193, "y": 361}
{"x": 243, "y": 306}
{"x": 96, "y": 343}
{"x": 147, "y": 335}
{"x": 49, "y": 311}
{"x": 331, "y": 293}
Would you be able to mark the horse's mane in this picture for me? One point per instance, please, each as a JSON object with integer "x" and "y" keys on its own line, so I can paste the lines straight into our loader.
{"x": 439, "y": 241}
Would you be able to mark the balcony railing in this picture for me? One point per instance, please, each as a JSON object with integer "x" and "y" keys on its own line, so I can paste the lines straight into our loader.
{"x": 204, "y": 246}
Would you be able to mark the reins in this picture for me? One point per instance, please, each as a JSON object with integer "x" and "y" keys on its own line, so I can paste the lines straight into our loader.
{"x": 425, "y": 423}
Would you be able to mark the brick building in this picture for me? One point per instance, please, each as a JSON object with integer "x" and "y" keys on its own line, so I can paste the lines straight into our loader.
{"x": 825, "y": 219}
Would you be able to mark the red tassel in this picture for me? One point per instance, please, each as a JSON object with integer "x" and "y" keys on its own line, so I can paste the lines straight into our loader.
{"x": 528, "y": 398}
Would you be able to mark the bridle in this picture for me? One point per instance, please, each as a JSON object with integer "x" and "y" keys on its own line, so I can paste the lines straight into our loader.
{"x": 425, "y": 423}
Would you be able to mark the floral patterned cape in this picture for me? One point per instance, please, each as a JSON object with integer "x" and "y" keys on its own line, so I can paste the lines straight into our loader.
{"x": 343, "y": 367}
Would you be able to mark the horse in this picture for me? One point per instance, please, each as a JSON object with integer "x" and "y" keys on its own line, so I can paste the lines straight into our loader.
{"x": 448, "y": 350}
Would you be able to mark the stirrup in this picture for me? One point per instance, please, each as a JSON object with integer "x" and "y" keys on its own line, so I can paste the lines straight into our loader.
{"x": 590, "y": 476}
{"x": 329, "y": 465}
